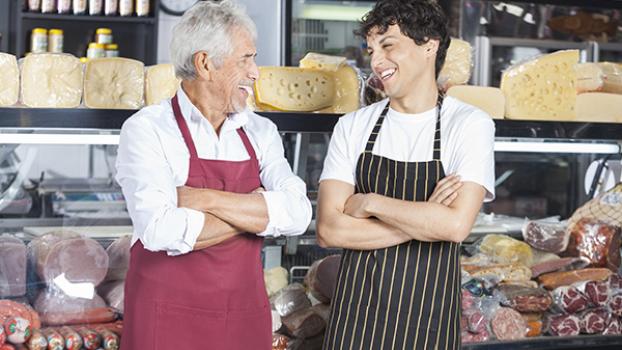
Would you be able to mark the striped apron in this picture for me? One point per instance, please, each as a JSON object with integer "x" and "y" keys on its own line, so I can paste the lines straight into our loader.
{"x": 401, "y": 297}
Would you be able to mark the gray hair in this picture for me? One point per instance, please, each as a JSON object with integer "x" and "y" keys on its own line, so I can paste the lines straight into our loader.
{"x": 207, "y": 27}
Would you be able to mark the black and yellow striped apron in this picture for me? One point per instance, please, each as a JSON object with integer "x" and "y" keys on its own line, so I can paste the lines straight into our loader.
{"x": 401, "y": 297}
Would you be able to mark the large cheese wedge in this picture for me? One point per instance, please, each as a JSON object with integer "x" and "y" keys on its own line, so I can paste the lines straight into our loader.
{"x": 599, "y": 107}
{"x": 51, "y": 81}
{"x": 295, "y": 89}
{"x": 114, "y": 83}
{"x": 489, "y": 99}
{"x": 9, "y": 80}
{"x": 542, "y": 88}
{"x": 160, "y": 83}
{"x": 458, "y": 65}
{"x": 602, "y": 76}
{"x": 322, "y": 62}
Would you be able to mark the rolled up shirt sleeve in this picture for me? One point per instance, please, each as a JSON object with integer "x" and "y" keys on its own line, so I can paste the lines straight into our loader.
{"x": 149, "y": 188}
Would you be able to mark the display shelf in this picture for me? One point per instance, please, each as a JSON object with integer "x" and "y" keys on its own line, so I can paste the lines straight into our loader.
{"x": 86, "y": 18}
{"x": 600, "y": 342}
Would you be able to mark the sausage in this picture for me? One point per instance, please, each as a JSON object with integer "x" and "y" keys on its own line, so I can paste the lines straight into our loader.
{"x": 55, "y": 340}
{"x": 110, "y": 341}
{"x": 95, "y": 315}
{"x": 565, "y": 278}
{"x": 73, "y": 341}
{"x": 91, "y": 339}
{"x": 17, "y": 330}
{"x": 10, "y": 308}
{"x": 37, "y": 341}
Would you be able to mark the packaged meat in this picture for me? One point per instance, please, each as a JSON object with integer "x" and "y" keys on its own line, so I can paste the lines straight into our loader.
{"x": 304, "y": 323}
{"x": 55, "y": 340}
{"x": 614, "y": 327}
{"x": 91, "y": 340}
{"x": 569, "y": 299}
{"x": 476, "y": 321}
{"x": 615, "y": 304}
{"x": 12, "y": 267}
{"x": 118, "y": 259}
{"x": 507, "y": 324}
{"x": 598, "y": 292}
{"x": 546, "y": 235}
{"x": 504, "y": 272}
{"x": 9, "y": 308}
{"x": 557, "y": 265}
{"x": 565, "y": 278}
{"x": 563, "y": 325}
{"x": 113, "y": 293}
{"x": 313, "y": 343}
{"x": 605, "y": 208}
{"x": 7, "y": 347}
{"x": 525, "y": 299}
{"x": 37, "y": 341}
{"x": 73, "y": 341}
{"x": 2, "y": 335}
{"x": 534, "y": 328}
{"x": 290, "y": 299}
{"x": 594, "y": 321}
{"x": 469, "y": 338}
{"x": 275, "y": 280}
{"x": 110, "y": 340}
{"x": 279, "y": 342}
{"x": 615, "y": 282}
{"x": 540, "y": 256}
{"x": 322, "y": 277}
{"x": 597, "y": 242}
{"x": 17, "y": 330}
{"x": 506, "y": 250}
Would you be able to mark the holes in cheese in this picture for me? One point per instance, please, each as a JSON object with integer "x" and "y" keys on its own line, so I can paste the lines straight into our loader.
{"x": 542, "y": 88}
{"x": 9, "y": 80}
{"x": 294, "y": 89}
{"x": 489, "y": 99}
{"x": 160, "y": 83}
{"x": 51, "y": 81}
{"x": 115, "y": 83}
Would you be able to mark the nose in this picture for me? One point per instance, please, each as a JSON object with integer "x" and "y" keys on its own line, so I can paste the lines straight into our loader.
{"x": 376, "y": 60}
{"x": 253, "y": 73}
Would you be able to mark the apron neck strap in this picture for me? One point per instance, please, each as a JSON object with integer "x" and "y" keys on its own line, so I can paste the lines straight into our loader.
{"x": 183, "y": 127}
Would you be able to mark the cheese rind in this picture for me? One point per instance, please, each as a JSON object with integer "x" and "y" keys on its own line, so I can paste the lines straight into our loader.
{"x": 9, "y": 80}
{"x": 294, "y": 89}
{"x": 542, "y": 88}
{"x": 347, "y": 91}
{"x": 602, "y": 77}
{"x": 599, "y": 107}
{"x": 160, "y": 83}
{"x": 114, "y": 83}
{"x": 51, "y": 81}
{"x": 489, "y": 99}
{"x": 458, "y": 64}
{"x": 322, "y": 62}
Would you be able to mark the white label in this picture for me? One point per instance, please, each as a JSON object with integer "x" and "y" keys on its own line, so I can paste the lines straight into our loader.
{"x": 126, "y": 7}
{"x": 48, "y": 6}
{"x": 142, "y": 7}
{"x": 34, "y": 5}
{"x": 64, "y": 6}
{"x": 111, "y": 7}
{"x": 79, "y": 6}
{"x": 95, "y": 7}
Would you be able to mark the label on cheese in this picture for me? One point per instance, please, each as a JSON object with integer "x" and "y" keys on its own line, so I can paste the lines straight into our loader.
{"x": 489, "y": 99}
{"x": 602, "y": 76}
{"x": 542, "y": 88}
{"x": 294, "y": 89}
{"x": 458, "y": 65}
{"x": 9, "y": 80}
{"x": 51, "y": 81}
{"x": 599, "y": 107}
{"x": 114, "y": 83}
{"x": 323, "y": 62}
{"x": 160, "y": 83}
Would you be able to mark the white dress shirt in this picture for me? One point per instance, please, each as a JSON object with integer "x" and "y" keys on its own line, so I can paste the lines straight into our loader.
{"x": 153, "y": 160}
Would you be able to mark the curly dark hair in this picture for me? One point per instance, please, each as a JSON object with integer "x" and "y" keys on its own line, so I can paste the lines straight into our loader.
{"x": 420, "y": 20}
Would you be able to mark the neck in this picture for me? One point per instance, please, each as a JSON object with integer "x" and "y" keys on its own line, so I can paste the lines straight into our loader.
{"x": 199, "y": 93}
{"x": 420, "y": 98}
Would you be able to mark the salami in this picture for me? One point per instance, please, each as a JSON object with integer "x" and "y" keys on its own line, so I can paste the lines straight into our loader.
{"x": 17, "y": 330}
{"x": 507, "y": 324}
{"x": 55, "y": 340}
{"x": 597, "y": 242}
{"x": 553, "y": 280}
{"x": 12, "y": 267}
{"x": 614, "y": 327}
{"x": 556, "y": 265}
{"x": 564, "y": 325}
{"x": 615, "y": 304}
{"x": 10, "y": 308}
{"x": 598, "y": 292}
{"x": 468, "y": 337}
{"x": 525, "y": 299}
{"x": 37, "y": 341}
{"x": 569, "y": 299}
{"x": 110, "y": 341}
{"x": 73, "y": 341}
{"x": 91, "y": 340}
{"x": 476, "y": 322}
{"x": 594, "y": 321}
{"x": 2, "y": 335}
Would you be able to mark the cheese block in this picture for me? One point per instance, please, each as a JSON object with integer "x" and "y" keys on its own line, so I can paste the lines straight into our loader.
{"x": 542, "y": 88}
{"x": 295, "y": 89}
{"x": 599, "y": 107}
{"x": 506, "y": 250}
{"x": 160, "y": 83}
{"x": 9, "y": 80}
{"x": 114, "y": 83}
{"x": 489, "y": 99}
{"x": 322, "y": 62}
{"x": 51, "y": 81}
{"x": 458, "y": 65}
{"x": 602, "y": 77}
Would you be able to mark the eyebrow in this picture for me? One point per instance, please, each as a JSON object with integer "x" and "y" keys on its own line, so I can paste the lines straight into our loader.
{"x": 248, "y": 55}
{"x": 385, "y": 38}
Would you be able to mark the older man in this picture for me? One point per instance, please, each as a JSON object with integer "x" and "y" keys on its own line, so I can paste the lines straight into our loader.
{"x": 193, "y": 170}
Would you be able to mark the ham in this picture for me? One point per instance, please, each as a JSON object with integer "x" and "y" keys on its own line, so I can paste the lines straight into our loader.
{"x": 322, "y": 278}
{"x": 113, "y": 293}
{"x": 118, "y": 258}
{"x": 12, "y": 267}
{"x": 557, "y": 279}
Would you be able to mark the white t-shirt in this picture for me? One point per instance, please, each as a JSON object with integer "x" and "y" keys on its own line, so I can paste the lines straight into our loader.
{"x": 467, "y": 141}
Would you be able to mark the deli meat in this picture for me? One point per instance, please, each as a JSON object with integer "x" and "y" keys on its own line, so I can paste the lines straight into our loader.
{"x": 12, "y": 267}
{"x": 468, "y": 337}
{"x": 548, "y": 236}
{"x": 118, "y": 258}
{"x": 598, "y": 292}
{"x": 615, "y": 304}
{"x": 322, "y": 278}
{"x": 290, "y": 299}
{"x": 556, "y": 265}
{"x": 56, "y": 308}
{"x": 597, "y": 242}
{"x": 113, "y": 293}
{"x": 304, "y": 323}
{"x": 525, "y": 299}
{"x": 508, "y": 324}
{"x": 569, "y": 299}
{"x": 565, "y": 278}
{"x": 594, "y": 321}
{"x": 564, "y": 325}
{"x": 614, "y": 327}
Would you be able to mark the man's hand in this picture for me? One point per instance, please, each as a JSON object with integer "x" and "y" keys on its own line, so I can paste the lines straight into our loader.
{"x": 357, "y": 205}
{"x": 189, "y": 197}
{"x": 446, "y": 190}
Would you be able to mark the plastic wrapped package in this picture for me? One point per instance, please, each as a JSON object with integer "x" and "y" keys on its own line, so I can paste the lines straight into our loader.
{"x": 113, "y": 293}
{"x": 160, "y": 83}
{"x": 542, "y": 88}
{"x": 505, "y": 250}
{"x": 598, "y": 292}
{"x": 569, "y": 299}
{"x": 114, "y": 83}
{"x": 17, "y": 329}
{"x": 563, "y": 325}
{"x": 547, "y": 235}
{"x": 57, "y": 308}
{"x": 524, "y": 299}
{"x": 37, "y": 341}
{"x": 615, "y": 304}
{"x": 594, "y": 321}
{"x": 561, "y": 264}
{"x": 606, "y": 208}
{"x": 9, "y": 80}
{"x": 534, "y": 324}
{"x": 290, "y": 299}
{"x": 2, "y": 335}
{"x": 553, "y": 280}
{"x": 10, "y": 308}
{"x": 500, "y": 272}
{"x": 275, "y": 279}
{"x": 13, "y": 255}
{"x": 458, "y": 65}
{"x": 599, "y": 77}
{"x": 373, "y": 91}
{"x": 73, "y": 341}
{"x": 614, "y": 327}
{"x": 540, "y": 256}
{"x": 508, "y": 324}
{"x": 50, "y": 80}
{"x": 321, "y": 279}
{"x": 118, "y": 258}
{"x": 304, "y": 323}
{"x": 54, "y": 338}
{"x": 279, "y": 342}
{"x": 597, "y": 242}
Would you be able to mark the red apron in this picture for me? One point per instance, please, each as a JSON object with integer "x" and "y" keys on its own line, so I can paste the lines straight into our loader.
{"x": 213, "y": 298}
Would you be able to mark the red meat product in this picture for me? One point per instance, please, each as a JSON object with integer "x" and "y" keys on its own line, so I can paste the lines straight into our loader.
{"x": 12, "y": 267}
{"x": 7, "y": 347}
{"x": 564, "y": 325}
{"x": 556, "y": 265}
{"x": 279, "y": 342}
{"x": 322, "y": 278}
{"x": 57, "y": 308}
{"x": 91, "y": 339}
{"x": 507, "y": 324}
{"x": 17, "y": 330}
{"x": 594, "y": 321}
{"x": 290, "y": 299}
{"x": 615, "y": 304}
{"x": 2, "y": 335}
{"x": 548, "y": 236}
{"x": 597, "y": 242}
{"x": 113, "y": 293}
{"x": 37, "y": 341}
{"x": 598, "y": 292}
{"x": 110, "y": 341}
{"x": 525, "y": 299}
{"x": 115, "y": 327}
{"x": 615, "y": 282}
{"x": 73, "y": 341}
{"x": 304, "y": 323}
{"x": 614, "y": 327}
{"x": 118, "y": 258}
{"x": 553, "y": 280}
{"x": 569, "y": 299}
{"x": 476, "y": 322}
{"x": 468, "y": 337}
{"x": 55, "y": 339}
{"x": 468, "y": 300}
{"x": 10, "y": 308}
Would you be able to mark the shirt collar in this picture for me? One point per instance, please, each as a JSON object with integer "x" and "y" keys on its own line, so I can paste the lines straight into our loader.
{"x": 191, "y": 113}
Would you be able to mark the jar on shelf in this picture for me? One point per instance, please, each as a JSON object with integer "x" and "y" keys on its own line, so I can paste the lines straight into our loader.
{"x": 63, "y": 6}
{"x": 111, "y": 7}
{"x": 39, "y": 40}
{"x": 55, "y": 40}
{"x": 103, "y": 36}
{"x": 48, "y": 6}
{"x": 142, "y": 8}
{"x": 112, "y": 50}
{"x": 95, "y": 7}
{"x": 126, "y": 7}
{"x": 34, "y": 5}
{"x": 96, "y": 50}
{"x": 79, "y": 7}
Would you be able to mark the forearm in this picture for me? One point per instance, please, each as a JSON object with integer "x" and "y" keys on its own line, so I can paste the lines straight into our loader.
{"x": 245, "y": 211}
{"x": 214, "y": 232}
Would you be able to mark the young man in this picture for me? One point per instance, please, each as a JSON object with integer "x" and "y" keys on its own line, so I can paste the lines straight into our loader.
{"x": 204, "y": 180}
{"x": 399, "y": 282}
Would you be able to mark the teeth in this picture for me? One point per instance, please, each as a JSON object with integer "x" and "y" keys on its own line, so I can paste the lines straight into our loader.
{"x": 387, "y": 73}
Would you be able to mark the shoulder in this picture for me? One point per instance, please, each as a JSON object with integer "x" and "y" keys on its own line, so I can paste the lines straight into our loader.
{"x": 149, "y": 116}
{"x": 259, "y": 123}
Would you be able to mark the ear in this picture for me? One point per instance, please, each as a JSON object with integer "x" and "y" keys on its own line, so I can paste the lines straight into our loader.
{"x": 203, "y": 65}
{"x": 431, "y": 48}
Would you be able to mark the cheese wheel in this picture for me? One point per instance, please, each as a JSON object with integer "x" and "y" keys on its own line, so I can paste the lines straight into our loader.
{"x": 9, "y": 80}
{"x": 51, "y": 81}
{"x": 114, "y": 83}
